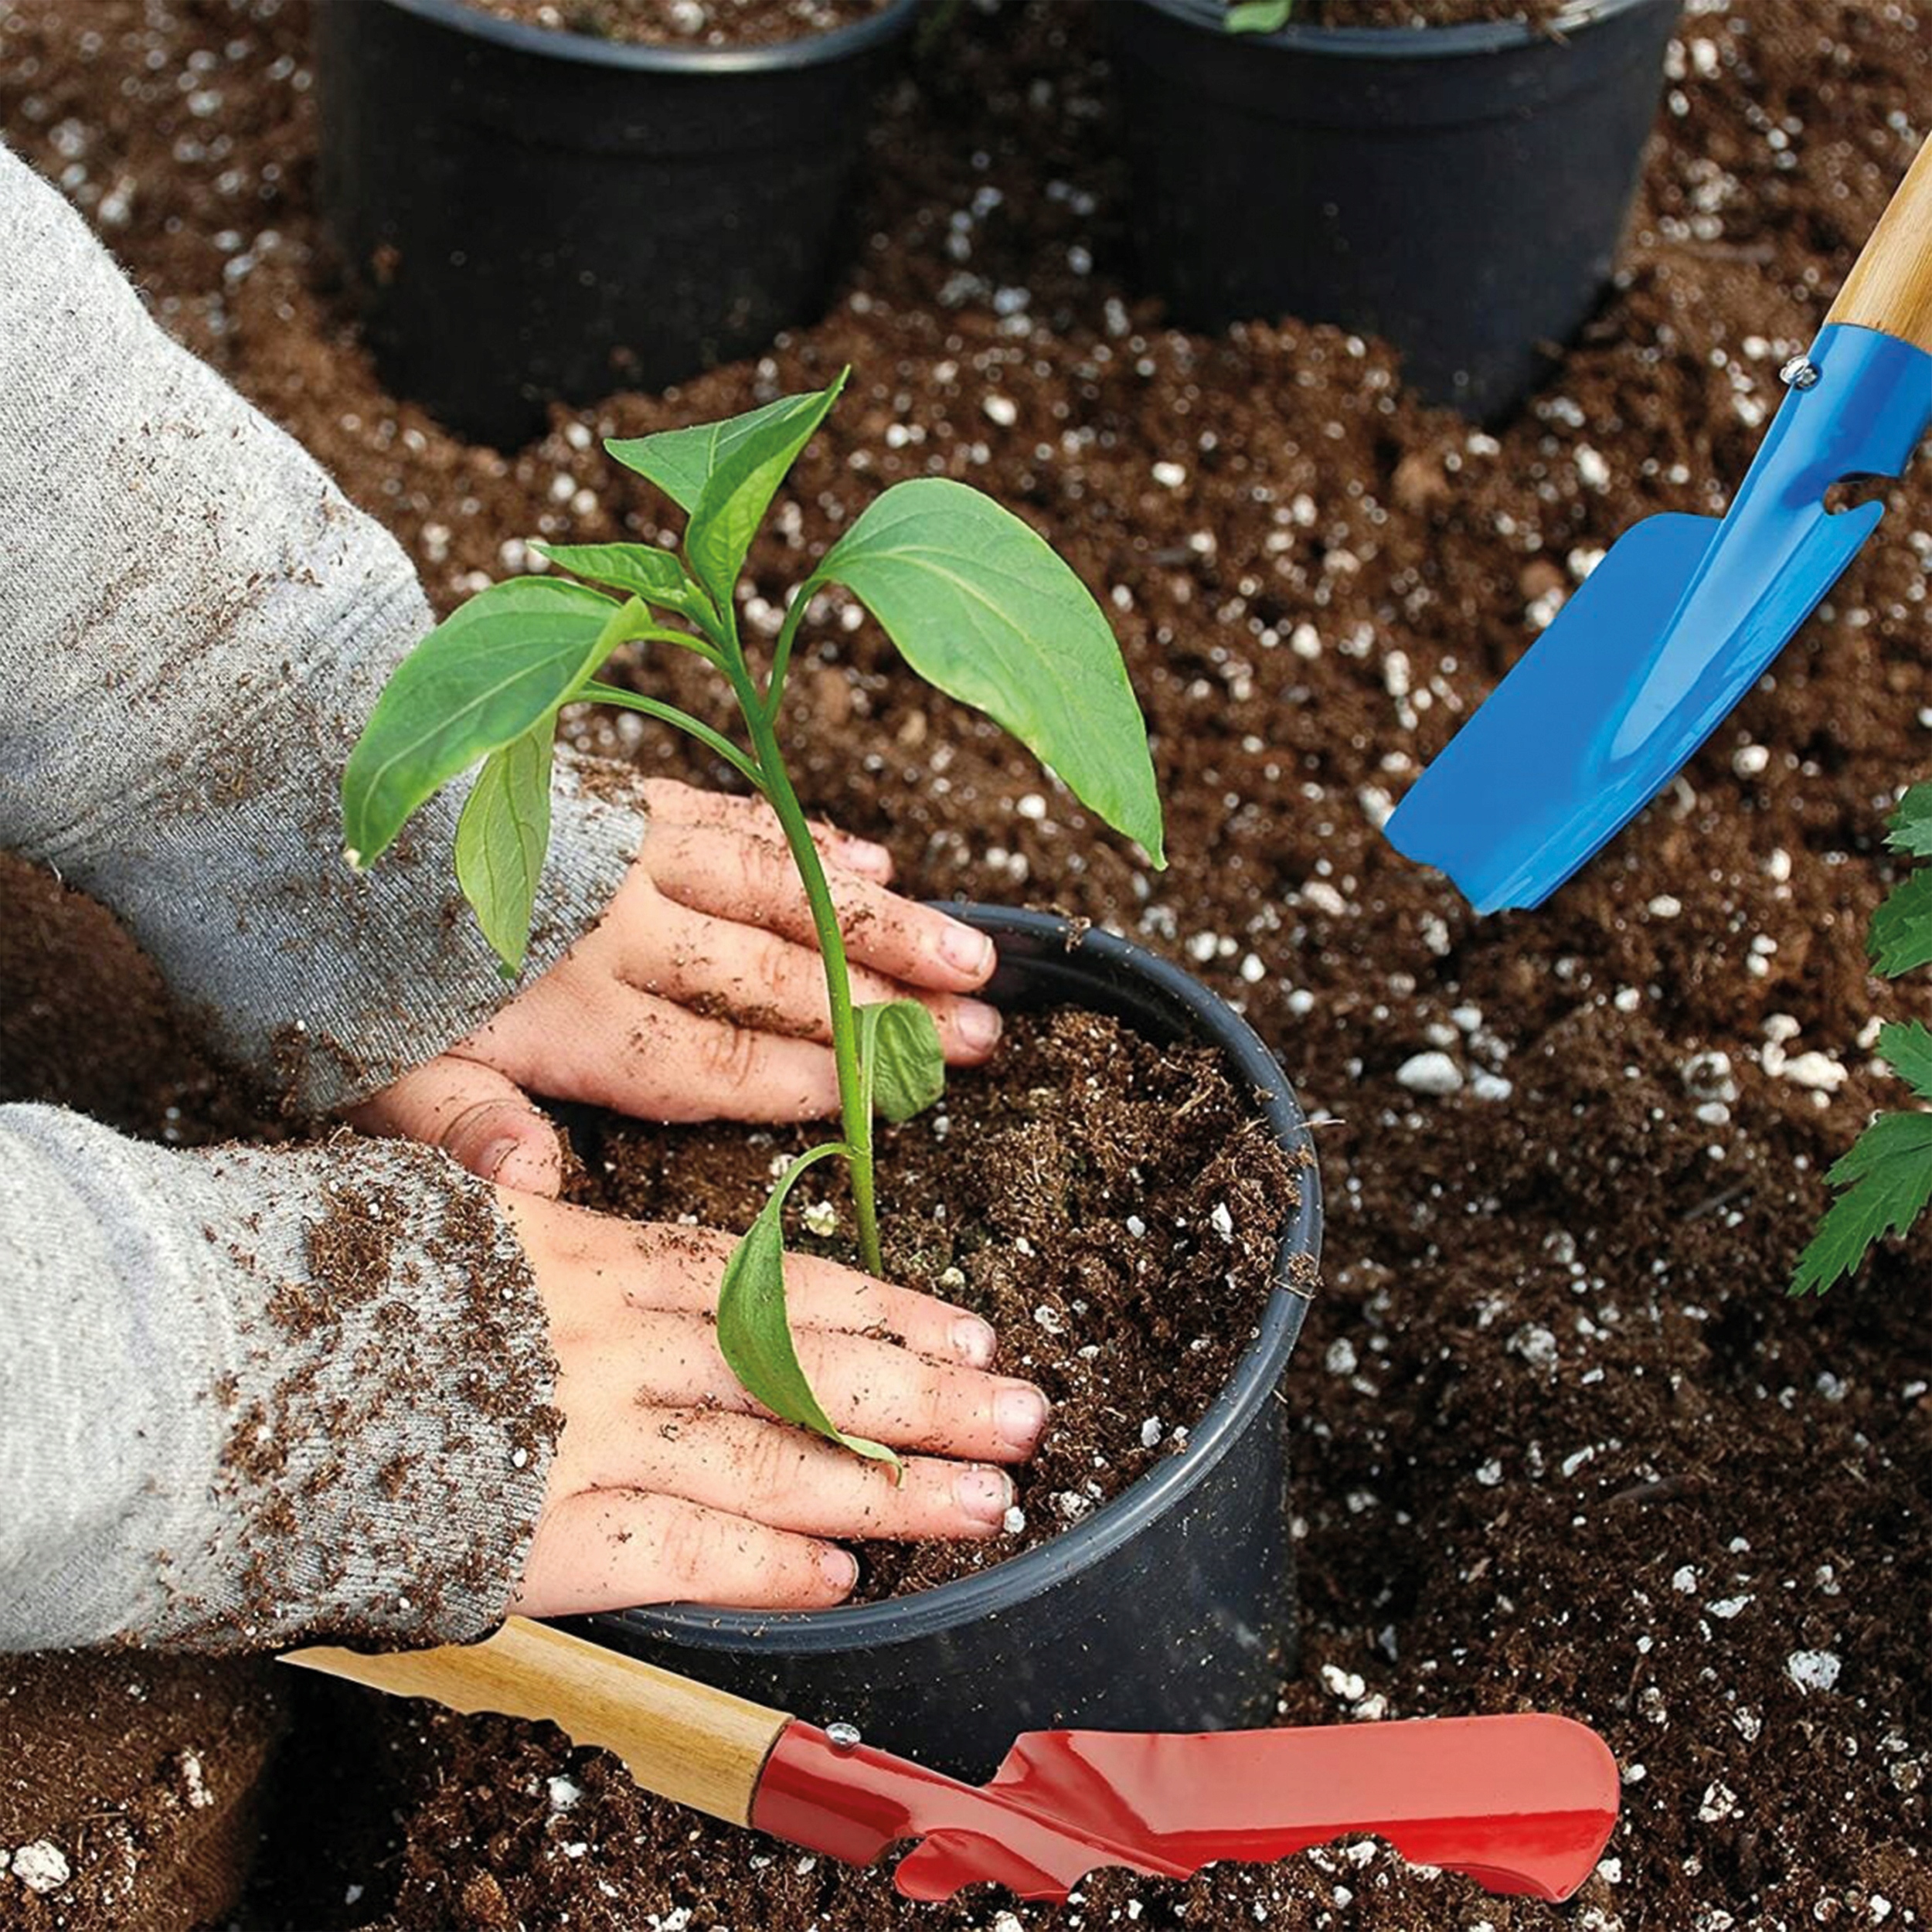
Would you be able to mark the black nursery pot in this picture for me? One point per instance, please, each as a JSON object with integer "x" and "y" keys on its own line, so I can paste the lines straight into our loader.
{"x": 1459, "y": 191}
{"x": 526, "y": 214}
{"x": 1171, "y": 1608}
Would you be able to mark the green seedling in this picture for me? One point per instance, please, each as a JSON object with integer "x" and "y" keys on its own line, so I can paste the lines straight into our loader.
{"x": 976, "y": 604}
{"x": 1260, "y": 16}
{"x": 1886, "y": 1177}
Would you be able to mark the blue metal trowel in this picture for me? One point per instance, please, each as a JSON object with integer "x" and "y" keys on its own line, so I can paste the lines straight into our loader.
{"x": 1681, "y": 617}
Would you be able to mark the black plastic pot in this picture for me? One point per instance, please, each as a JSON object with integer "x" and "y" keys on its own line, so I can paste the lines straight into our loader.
{"x": 1459, "y": 191}
{"x": 526, "y": 214}
{"x": 1171, "y": 1608}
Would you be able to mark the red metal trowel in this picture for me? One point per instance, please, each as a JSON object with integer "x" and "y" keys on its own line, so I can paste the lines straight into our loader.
{"x": 1521, "y": 1803}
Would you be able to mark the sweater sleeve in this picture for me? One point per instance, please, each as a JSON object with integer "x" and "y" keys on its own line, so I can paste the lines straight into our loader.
{"x": 255, "y": 1396}
{"x": 194, "y": 625}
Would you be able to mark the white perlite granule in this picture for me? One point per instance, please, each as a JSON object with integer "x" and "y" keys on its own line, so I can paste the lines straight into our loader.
{"x": 1813, "y": 1670}
{"x": 1430, "y": 1073}
{"x": 41, "y": 1867}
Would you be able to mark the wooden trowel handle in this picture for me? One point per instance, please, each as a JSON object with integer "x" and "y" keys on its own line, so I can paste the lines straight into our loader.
{"x": 1890, "y": 287}
{"x": 685, "y": 1741}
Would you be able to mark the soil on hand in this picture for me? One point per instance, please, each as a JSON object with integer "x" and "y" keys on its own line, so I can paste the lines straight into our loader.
{"x": 1113, "y": 1208}
{"x": 1561, "y": 1441}
{"x": 688, "y": 23}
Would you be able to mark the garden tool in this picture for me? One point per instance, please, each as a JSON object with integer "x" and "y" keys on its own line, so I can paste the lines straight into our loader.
{"x": 1683, "y": 615}
{"x": 1520, "y": 1804}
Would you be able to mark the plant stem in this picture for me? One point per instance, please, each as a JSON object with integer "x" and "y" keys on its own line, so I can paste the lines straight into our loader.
{"x": 781, "y": 655}
{"x": 713, "y": 741}
{"x": 855, "y": 1115}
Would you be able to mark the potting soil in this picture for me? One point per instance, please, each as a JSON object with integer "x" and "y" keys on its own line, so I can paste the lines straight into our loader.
{"x": 688, "y": 23}
{"x": 1421, "y": 13}
{"x": 1562, "y": 1442}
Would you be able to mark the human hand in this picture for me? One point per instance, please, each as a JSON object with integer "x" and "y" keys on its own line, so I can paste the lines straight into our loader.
{"x": 700, "y": 995}
{"x": 671, "y": 1484}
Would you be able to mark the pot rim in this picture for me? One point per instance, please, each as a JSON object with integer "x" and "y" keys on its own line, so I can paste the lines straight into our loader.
{"x": 1006, "y": 1585}
{"x": 1407, "y": 43}
{"x": 588, "y": 50}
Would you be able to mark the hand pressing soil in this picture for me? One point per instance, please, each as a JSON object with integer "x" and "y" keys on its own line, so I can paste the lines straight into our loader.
{"x": 1111, "y": 1207}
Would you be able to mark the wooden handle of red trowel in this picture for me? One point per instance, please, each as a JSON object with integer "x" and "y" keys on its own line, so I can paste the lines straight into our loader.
{"x": 1890, "y": 287}
{"x": 700, "y": 1747}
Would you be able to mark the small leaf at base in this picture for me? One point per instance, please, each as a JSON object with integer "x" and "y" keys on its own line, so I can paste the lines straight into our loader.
{"x": 900, "y": 1060}
{"x": 502, "y": 838}
{"x": 754, "y": 1335}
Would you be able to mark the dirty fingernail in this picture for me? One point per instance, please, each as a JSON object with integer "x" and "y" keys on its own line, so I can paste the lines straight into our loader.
{"x": 862, "y": 855}
{"x": 840, "y": 1570}
{"x": 983, "y": 1495}
{"x": 1020, "y": 1414}
{"x": 495, "y": 1155}
{"x": 965, "y": 951}
{"x": 980, "y": 1025}
{"x": 974, "y": 1341}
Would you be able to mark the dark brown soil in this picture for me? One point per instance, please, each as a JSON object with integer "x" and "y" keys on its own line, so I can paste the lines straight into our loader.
{"x": 140, "y": 1779}
{"x": 701, "y": 23}
{"x": 1562, "y": 1442}
{"x": 1112, "y": 1208}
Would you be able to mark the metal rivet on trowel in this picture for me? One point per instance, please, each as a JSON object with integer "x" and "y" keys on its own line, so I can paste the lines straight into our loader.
{"x": 842, "y": 1737}
{"x": 1800, "y": 372}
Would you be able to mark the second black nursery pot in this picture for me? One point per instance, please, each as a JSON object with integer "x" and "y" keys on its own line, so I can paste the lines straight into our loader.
{"x": 525, "y": 213}
{"x": 1171, "y": 1608}
{"x": 1459, "y": 191}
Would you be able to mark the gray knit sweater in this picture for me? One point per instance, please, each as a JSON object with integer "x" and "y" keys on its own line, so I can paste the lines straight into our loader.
{"x": 245, "y": 1395}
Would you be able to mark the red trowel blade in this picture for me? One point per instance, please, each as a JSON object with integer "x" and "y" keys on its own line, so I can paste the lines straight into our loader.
{"x": 1521, "y": 1804}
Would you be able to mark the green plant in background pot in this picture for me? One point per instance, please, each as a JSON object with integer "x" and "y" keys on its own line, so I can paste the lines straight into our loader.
{"x": 978, "y": 605}
{"x": 1885, "y": 1179}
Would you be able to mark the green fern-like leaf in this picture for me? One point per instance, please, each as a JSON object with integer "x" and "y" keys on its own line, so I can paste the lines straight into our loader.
{"x": 1886, "y": 1178}
{"x": 1906, "y": 1046}
{"x": 1901, "y": 938}
{"x": 1909, "y": 827}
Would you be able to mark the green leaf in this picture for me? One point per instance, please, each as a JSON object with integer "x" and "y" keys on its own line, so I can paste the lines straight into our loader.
{"x": 979, "y": 606}
{"x": 739, "y": 491}
{"x": 640, "y": 568}
{"x": 754, "y": 1335}
{"x": 900, "y": 1060}
{"x": 1906, "y": 1048}
{"x": 1887, "y": 1177}
{"x": 502, "y": 837}
{"x": 1901, "y": 937}
{"x": 724, "y": 475}
{"x": 680, "y": 462}
{"x": 1909, "y": 828}
{"x": 487, "y": 673}
{"x": 1260, "y": 16}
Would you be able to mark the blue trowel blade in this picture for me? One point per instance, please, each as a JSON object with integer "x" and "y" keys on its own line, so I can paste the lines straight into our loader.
{"x": 1671, "y": 630}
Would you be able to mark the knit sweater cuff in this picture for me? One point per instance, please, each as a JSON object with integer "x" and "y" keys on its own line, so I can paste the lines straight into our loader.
{"x": 259, "y": 1397}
